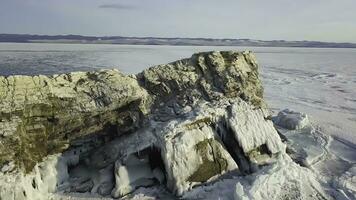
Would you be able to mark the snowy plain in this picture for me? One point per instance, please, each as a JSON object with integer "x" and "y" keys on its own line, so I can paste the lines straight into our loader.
{"x": 318, "y": 82}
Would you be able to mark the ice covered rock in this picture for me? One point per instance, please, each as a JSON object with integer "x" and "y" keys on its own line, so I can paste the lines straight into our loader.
{"x": 183, "y": 125}
{"x": 190, "y": 151}
{"x": 305, "y": 146}
{"x": 252, "y": 129}
{"x": 193, "y": 156}
{"x": 283, "y": 180}
{"x": 130, "y": 174}
{"x": 291, "y": 120}
{"x": 104, "y": 183}
{"x": 45, "y": 178}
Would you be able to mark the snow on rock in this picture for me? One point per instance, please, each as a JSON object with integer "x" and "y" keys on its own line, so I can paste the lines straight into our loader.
{"x": 221, "y": 189}
{"x": 251, "y": 128}
{"x": 192, "y": 150}
{"x": 283, "y": 180}
{"x": 291, "y": 120}
{"x": 46, "y": 177}
{"x": 192, "y": 155}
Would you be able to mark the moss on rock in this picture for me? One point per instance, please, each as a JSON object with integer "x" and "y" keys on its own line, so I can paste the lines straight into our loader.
{"x": 209, "y": 168}
{"x": 199, "y": 123}
{"x": 40, "y": 115}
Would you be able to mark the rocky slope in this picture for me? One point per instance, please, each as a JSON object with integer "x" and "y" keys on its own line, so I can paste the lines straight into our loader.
{"x": 178, "y": 125}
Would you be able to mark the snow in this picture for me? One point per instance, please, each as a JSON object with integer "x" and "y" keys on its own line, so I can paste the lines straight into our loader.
{"x": 252, "y": 130}
{"x": 283, "y": 180}
{"x": 330, "y": 159}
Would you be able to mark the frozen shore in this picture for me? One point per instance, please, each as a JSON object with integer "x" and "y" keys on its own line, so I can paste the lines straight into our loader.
{"x": 197, "y": 128}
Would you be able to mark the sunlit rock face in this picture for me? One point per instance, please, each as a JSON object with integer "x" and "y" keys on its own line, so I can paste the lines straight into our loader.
{"x": 180, "y": 125}
{"x": 41, "y": 115}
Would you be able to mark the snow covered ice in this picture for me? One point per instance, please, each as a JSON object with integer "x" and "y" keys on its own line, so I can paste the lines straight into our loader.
{"x": 291, "y": 120}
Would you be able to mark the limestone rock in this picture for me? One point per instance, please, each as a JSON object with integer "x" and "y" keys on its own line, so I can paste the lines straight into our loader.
{"x": 210, "y": 76}
{"x": 40, "y": 115}
{"x": 182, "y": 124}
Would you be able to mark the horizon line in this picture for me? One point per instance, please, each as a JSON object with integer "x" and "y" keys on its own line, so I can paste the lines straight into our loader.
{"x": 177, "y": 37}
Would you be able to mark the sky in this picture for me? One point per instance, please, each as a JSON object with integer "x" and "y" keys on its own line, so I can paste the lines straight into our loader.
{"x": 321, "y": 20}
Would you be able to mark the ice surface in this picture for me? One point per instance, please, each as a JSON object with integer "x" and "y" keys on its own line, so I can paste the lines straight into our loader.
{"x": 331, "y": 159}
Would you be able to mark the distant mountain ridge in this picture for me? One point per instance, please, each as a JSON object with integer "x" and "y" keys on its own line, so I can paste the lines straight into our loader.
{"x": 79, "y": 39}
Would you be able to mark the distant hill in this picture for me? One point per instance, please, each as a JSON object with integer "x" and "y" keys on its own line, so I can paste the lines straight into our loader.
{"x": 79, "y": 39}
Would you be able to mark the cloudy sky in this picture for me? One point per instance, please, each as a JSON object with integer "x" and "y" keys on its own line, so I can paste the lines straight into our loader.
{"x": 323, "y": 20}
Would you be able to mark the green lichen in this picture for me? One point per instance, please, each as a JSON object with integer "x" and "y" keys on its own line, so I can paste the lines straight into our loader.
{"x": 36, "y": 136}
{"x": 47, "y": 129}
{"x": 199, "y": 123}
{"x": 263, "y": 149}
{"x": 254, "y": 154}
{"x": 35, "y": 140}
{"x": 208, "y": 168}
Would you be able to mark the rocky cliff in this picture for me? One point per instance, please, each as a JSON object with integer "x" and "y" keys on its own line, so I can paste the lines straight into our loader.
{"x": 179, "y": 125}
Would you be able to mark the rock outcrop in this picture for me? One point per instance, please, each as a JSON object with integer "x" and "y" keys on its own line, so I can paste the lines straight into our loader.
{"x": 180, "y": 125}
{"x": 40, "y": 115}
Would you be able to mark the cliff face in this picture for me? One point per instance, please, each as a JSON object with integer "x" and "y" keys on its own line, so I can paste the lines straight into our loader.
{"x": 40, "y": 115}
{"x": 180, "y": 124}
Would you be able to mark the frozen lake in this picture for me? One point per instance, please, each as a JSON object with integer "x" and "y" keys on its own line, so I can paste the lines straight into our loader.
{"x": 319, "y": 82}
